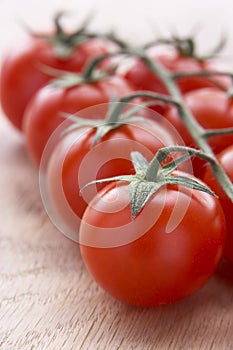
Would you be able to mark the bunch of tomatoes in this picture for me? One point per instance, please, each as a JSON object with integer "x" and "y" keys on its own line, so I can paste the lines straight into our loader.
{"x": 150, "y": 232}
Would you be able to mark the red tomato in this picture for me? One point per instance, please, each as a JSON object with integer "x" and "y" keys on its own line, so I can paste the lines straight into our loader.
{"x": 42, "y": 115}
{"x": 137, "y": 260}
{"x": 75, "y": 162}
{"x": 226, "y": 160}
{"x": 143, "y": 78}
{"x": 22, "y": 75}
{"x": 213, "y": 109}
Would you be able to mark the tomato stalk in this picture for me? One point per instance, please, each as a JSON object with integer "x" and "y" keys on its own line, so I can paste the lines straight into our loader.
{"x": 217, "y": 132}
{"x": 206, "y": 74}
{"x": 219, "y": 173}
{"x": 195, "y": 129}
{"x": 198, "y": 133}
{"x": 201, "y": 73}
{"x": 91, "y": 73}
{"x": 143, "y": 94}
{"x": 169, "y": 80}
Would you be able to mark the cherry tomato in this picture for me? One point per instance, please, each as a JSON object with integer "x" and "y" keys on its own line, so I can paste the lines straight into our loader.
{"x": 137, "y": 260}
{"x": 43, "y": 114}
{"x": 144, "y": 79}
{"x": 226, "y": 160}
{"x": 75, "y": 161}
{"x": 213, "y": 109}
{"x": 22, "y": 72}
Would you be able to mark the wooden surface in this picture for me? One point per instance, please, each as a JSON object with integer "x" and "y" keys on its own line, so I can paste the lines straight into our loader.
{"x": 47, "y": 299}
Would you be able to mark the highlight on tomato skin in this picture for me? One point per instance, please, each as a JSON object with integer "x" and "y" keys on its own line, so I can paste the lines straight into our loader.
{"x": 147, "y": 266}
{"x": 226, "y": 160}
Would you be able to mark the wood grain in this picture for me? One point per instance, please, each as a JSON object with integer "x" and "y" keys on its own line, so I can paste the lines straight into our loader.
{"x": 47, "y": 299}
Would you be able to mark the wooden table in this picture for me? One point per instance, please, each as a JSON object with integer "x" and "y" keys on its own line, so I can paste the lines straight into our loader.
{"x": 47, "y": 299}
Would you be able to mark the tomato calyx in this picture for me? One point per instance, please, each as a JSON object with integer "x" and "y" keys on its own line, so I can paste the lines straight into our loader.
{"x": 151, "y": 176}
{"x": 187, "y": 47}
{"x": 90, "y": 74}
{"x": 64, "y": 43}
{"x": 115, "y": 118}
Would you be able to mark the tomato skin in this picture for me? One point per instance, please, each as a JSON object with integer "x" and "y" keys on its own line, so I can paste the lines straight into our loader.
{"x": 22, "y": 75}
{"x": 158, "y": 267}
{"x": 226, "y": 160}
{"x": 42, "y": 115}
{"x": 75, "y": 162}
{"x": 212, "y": 109}
{"x": 138, "y": 74}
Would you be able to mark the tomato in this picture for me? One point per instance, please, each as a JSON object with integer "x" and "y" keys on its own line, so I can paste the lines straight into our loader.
{"x": 76, "y": 161}
{"x": 42, "y": 115}
{"x": 137, "y": 260}
{"x": 226, "y": 160}
{"x": 22, "y": 73}
{"x": 212, "y": 109}
{"x": 144, "y": 79}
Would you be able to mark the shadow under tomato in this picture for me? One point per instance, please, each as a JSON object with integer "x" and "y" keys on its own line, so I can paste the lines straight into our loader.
{"x": 224, "y": 273}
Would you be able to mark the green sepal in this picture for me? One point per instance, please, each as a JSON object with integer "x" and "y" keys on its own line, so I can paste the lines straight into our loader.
{"x": 103, "y": 130}
{"x": 127, "y": 178}
{"x": 139, "y": 162}
{"x": 141, "y": 189}
{"x": 189, "y": 182}
{"x": 187, "y": 46}
{"x": 135, "y": 109}
{"x": 78, "y": 122}
{"x": 64, "y": 43}
{"x": 67, "y": 80}
{"x": 139, "y": 193}
{"x": 104, "y": 126}
{"x": 168, "y": 168}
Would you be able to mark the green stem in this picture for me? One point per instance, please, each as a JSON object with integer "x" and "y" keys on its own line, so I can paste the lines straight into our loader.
{"x": 201, "y": 73}
{"x": 88, "y": 71}
{"x": 57, "y": 23}
{"x": 155, "y": 164}
{"x": 217, "y": 132}
{"x": 151, "y": 95}
{"x": 141, "y": 94}
{"x": 194, "y": 128}
{"x": 217, "y": 169}
{"x": 198, "y": 133}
